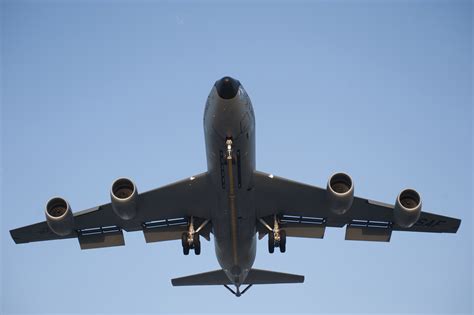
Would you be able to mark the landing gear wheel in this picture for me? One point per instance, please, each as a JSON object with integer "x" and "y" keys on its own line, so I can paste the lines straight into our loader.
{"x": 282, "y": 241}
{"x": 184, "y": 242}
{"x": 271, "y": 243}
{"x": 197, "y": 244}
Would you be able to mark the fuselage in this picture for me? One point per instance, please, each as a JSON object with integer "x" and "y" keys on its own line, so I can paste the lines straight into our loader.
{"x": 229, "y": 127}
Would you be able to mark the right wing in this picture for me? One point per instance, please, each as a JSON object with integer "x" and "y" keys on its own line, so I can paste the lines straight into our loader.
{"x": 304, "y": 210}
{"x": 162, "y": 214}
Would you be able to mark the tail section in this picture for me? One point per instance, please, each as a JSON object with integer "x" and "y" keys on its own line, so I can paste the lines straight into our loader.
{"x": 255, "y": 276}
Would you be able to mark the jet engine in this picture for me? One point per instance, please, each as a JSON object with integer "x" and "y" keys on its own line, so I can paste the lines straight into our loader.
{"x": 407, "y": 208}
{"x": 340, "y": 192}
{"x": 59, "y": 216}
{"x": 124, "y": 198}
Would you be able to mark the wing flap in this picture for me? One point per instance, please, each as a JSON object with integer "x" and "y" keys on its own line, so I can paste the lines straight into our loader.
{"x": 374, "y": 234}
{"x": 167, "y": 233}
{"x": 304, "y": 230}
{"x": 101, "y": 240}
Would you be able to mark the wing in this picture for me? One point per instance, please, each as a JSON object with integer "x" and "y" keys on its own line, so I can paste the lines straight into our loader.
{"x": 162, "y": 214}
{"x": 304, "y": 211}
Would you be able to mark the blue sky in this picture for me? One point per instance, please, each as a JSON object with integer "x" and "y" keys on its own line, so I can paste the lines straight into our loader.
{"x": 94, "y": 90}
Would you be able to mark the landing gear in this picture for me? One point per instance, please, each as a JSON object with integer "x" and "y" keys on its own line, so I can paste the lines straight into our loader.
{"x": 276, "y": 236}
{"x": 184, "y": 242}
{"x": 193, "y": 243}
{"x": 282, "y": 241}
{"x": 190, "y": 239}
{"x": 197, "y": 244}
{"x": 271, "y": 242}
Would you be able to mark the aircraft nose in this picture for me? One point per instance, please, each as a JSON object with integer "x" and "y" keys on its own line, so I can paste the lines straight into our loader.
{"x": 227, "y": 87}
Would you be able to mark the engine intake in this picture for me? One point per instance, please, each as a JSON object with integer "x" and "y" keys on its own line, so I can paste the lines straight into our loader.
{"x": 340, "y": 192}
{"x": 407, "y": 208}
{"x": 59, "y": 216}
{"x": 124, "y": 198}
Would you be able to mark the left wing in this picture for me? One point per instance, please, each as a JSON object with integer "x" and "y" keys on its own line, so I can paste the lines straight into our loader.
{"x": 161, "y": 214}
{"x": 305, "y": 211}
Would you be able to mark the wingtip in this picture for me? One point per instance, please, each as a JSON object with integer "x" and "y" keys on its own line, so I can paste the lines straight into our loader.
{"x": 302, "y": 279}
{"x": 456, "y": 227}
{"x": 16, "y": 239}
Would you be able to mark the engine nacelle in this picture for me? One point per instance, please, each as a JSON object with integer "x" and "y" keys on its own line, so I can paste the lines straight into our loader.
{"x": 340, "y": 193}
{"x": 124, "y": 198}
{"x": 59, "y": 216}
{"x": 407, "y": 208}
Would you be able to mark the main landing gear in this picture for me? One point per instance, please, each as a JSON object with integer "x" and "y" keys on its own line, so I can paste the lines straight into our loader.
{"x": 190, "y": 239}
{"x": 276, "y": 236}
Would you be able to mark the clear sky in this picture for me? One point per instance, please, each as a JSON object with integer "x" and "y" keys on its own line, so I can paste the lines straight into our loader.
{"x": 94, "y": 90}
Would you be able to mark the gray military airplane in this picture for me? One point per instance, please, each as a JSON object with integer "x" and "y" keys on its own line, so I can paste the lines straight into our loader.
{"x": 234, "y": 202}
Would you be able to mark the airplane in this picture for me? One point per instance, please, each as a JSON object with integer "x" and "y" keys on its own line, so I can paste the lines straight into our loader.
{"x": 236, "y": 203}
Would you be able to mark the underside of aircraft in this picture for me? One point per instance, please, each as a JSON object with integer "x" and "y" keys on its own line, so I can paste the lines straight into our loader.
{"x": 236, "y": 203}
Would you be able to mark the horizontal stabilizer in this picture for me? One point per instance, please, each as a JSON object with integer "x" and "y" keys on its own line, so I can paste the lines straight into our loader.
{"x": 258, "y": 276}
{"x": 255, "y": 276}
{"x": 217, "y": 277}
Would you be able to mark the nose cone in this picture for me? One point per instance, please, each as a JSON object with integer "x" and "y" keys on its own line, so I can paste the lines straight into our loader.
{"x": 227, "y": 87}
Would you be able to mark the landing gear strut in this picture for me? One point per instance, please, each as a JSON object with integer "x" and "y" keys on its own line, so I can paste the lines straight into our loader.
{"x": 190, "y": 239}
{"x": 276, "y": 236}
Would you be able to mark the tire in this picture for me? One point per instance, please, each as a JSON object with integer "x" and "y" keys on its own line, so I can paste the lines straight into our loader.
{"x": 282, "y": 241}
{"x": 197, "y": 244}
{"x": 184, "y": 243}
{"x": 197, "y": 248}
{"x": 271, "y": 243}
{"x": 184, "y": 239}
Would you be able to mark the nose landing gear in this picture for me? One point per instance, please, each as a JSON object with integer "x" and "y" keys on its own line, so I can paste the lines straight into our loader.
{"x": 190, "y": 239}
{"x": 276, "y": 236}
